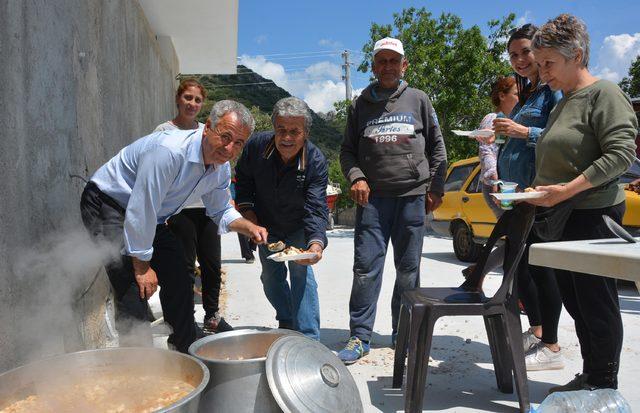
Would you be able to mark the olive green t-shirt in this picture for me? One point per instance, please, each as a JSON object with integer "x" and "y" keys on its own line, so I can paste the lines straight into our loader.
{"x": 592, "y": 132}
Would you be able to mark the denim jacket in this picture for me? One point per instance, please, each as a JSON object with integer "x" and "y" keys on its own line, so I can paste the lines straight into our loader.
{"x": 516, "y": 160}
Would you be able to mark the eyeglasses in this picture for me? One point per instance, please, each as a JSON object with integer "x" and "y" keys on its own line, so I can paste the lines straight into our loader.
{"x": 523, "y": 27}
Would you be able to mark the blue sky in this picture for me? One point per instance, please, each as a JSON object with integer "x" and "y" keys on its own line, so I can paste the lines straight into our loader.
{"x": 298, "y": 43}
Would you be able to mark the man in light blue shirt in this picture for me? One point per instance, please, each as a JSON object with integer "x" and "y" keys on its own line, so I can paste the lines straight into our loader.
{"x": 129, "y": 199}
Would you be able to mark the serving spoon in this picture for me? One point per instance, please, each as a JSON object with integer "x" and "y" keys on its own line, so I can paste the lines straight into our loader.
{"x": 619, "y": 231}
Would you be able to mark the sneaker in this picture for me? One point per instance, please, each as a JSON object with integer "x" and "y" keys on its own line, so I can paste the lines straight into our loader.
{"x": 249, "y": 260}
{"x": 578, "y": 383}
{"x": 529, "y": 339}
{"x": 353, "y": 351}
{"x": 215, "y": 324}
{"x": 539, "y": 357}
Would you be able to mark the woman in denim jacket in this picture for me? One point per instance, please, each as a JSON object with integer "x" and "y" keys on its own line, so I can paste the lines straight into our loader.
{"x": 516, "y": 161}
{"x": 537, "y": 286}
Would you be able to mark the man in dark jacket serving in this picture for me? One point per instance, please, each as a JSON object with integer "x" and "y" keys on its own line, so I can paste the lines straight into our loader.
{"x": 394, "y": 156}
{"x": 282, "y": 185}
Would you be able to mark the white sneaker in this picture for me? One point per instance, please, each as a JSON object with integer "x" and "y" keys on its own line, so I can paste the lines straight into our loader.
{"x": 539, "y": 357}
{"x": 529, "y": 339}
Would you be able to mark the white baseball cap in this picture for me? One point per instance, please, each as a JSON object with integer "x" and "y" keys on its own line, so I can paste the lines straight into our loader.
{"x": 388, "y": 43}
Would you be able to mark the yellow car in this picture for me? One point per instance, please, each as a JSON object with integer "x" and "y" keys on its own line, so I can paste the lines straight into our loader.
{"x": 465, "y": 216}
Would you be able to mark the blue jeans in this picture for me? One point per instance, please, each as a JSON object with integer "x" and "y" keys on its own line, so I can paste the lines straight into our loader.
{"x": 296, "y": 304}
{"x": 402, "y": 221}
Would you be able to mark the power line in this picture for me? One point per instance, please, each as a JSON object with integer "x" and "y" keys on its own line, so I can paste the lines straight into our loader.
{"x": 285, "y": 70}
{"x": 306, "y": 57}
{"x": 271, "y": 81}
{"x": 299, "y": 53}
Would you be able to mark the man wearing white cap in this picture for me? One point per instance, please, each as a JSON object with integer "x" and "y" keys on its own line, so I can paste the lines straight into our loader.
{"x": 394, "y": 157}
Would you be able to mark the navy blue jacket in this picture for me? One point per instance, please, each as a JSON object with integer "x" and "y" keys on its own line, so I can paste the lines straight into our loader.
{"x": 285, "y": 198}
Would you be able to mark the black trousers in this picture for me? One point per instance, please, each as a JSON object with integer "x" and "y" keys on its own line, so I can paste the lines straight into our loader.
{"x": 104, "y": 219}
{"x": 538, "y": 290}
{"x": 199, "y": 237}
{"x": 246, "y": 247}
{"x": 592, "y": 301}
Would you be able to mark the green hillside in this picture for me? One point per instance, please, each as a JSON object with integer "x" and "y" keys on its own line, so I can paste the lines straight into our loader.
{"x": 260, "y": 95}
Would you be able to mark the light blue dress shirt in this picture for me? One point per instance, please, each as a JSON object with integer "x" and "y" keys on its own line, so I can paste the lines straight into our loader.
{"x": 156, "y": 177}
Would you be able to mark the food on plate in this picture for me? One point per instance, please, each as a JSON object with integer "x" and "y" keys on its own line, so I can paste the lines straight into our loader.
{"x": 276, "y": 246}
{"x": 292, "y": 251}
{"x": 109, "y": 394}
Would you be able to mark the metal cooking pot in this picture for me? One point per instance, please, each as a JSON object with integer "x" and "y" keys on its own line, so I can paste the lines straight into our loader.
{"x": 274, "y": 371}
{"x": 236, "y": 360}
{"x": 24, "y": 381}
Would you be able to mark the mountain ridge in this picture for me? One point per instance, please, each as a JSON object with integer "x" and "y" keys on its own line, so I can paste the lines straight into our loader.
{"x": 257, "y": 92}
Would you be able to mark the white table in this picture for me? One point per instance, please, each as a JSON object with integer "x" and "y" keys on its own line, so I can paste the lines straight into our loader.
{"x": 609, "y": 257}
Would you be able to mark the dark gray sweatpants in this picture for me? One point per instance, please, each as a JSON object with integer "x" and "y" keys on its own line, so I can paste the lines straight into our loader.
{"x": 401, "y": 220}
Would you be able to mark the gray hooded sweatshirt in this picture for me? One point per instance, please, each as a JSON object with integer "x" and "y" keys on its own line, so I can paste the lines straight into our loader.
{"x": 394, "y": 143}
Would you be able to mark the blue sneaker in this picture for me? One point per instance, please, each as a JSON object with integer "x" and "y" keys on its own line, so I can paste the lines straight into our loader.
{"x": 353, "y": 351}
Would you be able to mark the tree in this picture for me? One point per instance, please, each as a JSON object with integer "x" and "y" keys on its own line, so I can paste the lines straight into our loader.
{"x": 263, "y": 120}
{"x": 336, "y": 176}
{"x": 453, "y": 65}
{"x": 339, "y": 114}
{"x": 631, "y": 83}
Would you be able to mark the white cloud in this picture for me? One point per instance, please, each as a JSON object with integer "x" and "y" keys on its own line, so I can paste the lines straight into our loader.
{"x": 264, "y": 68}
{"x": 326, "y": 69}
{"x": 260, "y": 38}
{"x": 318, "y": 84}
{"x": 320, "y": 96}
{"x": 330, "y": 44}
{"x": 527, "y": 18}
{"x": 616, "y": 54}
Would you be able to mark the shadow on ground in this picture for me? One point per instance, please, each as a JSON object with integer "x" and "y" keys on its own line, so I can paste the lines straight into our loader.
{"x": 461, "y": 375}
{"x": 335, "y": 339}
{"x": 628, "y": 298}
{"x": 340, "y": 233}
{"x": 235, "y": 261}
{"x": 448, "y": 257}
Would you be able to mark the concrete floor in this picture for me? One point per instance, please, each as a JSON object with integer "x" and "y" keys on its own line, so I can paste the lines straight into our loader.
{"x": 461, "y": 377}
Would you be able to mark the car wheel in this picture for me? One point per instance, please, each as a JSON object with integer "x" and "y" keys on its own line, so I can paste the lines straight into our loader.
{"x": 465, "y": 248}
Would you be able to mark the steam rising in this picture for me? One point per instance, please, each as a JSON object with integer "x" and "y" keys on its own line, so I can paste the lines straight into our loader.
{"x": 67, "y": 292}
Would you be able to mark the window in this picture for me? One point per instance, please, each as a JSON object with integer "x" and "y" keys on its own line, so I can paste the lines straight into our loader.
{"x": 458, "y": 176}
{"x": 475, "y": 186}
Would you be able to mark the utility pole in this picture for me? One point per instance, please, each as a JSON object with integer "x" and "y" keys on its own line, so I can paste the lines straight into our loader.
{"x": 347, "y": 74}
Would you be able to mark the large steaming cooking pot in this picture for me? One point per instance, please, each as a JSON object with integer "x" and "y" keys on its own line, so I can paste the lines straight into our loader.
{"x": 24, "y": 381}
{"x": 269, "y": 371}
{"x": 236, "y": 360}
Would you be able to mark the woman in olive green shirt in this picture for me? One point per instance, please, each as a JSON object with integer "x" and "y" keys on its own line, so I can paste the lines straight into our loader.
{"x": 588, "y": 142}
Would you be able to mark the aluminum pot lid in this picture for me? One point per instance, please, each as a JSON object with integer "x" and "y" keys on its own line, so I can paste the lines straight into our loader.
{"x": 305, "y": 376}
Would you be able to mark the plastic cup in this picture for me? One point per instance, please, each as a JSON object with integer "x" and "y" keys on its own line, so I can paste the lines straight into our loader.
{"x": 507, "y": 188}
{"x": 500, "y": 139}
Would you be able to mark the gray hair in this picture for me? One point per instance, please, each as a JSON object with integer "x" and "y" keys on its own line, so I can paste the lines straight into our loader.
{"x": 567, "y": 34}
{"x": 223, "y": 107}
{"x": 292, "y": 107}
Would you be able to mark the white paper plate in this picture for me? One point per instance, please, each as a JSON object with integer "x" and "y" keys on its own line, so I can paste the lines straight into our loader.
{"x": 279, "y": 257}
{"x": 518, "y": 196}
{"x": 482, "y": 133}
